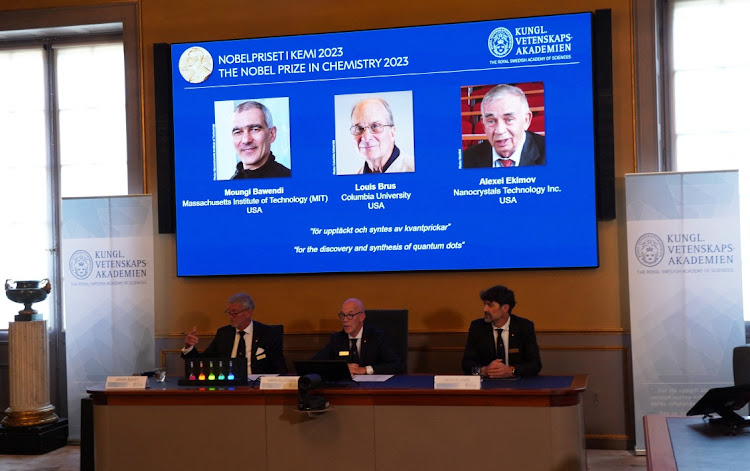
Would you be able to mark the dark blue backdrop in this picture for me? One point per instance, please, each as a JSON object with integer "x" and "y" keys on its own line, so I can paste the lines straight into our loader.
{"x": 555, "y": 229}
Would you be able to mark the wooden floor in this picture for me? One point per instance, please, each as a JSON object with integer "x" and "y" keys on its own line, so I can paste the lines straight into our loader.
{"x": 68, "y": 459}
{"x": 617, "y": 460}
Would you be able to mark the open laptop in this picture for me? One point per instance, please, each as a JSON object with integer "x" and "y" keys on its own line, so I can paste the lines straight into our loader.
{"x": 330, "y": 371}
{"x": 724, "y": 401}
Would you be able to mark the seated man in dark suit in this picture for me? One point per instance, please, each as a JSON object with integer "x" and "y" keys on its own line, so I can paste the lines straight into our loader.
{"x": 506, "y": 118}
{"x": 261, "y": 344}
{"x": 501, "y": 335}
{"x": 366, "y": 349}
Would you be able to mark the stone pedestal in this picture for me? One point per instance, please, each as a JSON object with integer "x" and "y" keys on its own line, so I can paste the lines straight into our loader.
{"x": 34, "y": 440}
{"x": 29, "y": 376}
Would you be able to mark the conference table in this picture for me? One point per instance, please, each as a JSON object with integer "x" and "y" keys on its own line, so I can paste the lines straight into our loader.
{"x": 694, "y": 444}
{"x": 403, "y": 423}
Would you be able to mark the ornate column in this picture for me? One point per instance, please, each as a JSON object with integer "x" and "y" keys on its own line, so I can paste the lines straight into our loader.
{"x": 29, "y": 359}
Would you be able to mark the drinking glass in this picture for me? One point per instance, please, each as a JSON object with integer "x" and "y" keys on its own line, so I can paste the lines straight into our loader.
{"x": 160, "y": 374}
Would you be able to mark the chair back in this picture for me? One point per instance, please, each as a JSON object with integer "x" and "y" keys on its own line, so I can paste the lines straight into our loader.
{"x": 741, "y": 365}
{"x": 395, "y": 324}
{"x": 277, "y": 331}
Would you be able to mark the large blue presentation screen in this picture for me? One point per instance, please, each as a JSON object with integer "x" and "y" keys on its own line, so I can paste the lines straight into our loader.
{"x": 445, "y": 147}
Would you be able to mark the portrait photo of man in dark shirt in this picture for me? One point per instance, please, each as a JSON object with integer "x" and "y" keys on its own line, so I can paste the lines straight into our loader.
{"x": 253, "y": 133}
{"x": 251, "y": 139}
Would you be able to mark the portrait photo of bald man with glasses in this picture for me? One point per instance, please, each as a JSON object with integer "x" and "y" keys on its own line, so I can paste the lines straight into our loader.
{"x": 365, "y": 349}
{"x": 381, "y": 133}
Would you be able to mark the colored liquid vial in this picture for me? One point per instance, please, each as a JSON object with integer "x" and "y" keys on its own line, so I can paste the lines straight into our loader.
{"x": 192, "y": 370}
{"x": 221, "y": 371}
{"x": 211, "y": 376}
{"x": 201, "y": 376}
{"x": 231, "y": 373}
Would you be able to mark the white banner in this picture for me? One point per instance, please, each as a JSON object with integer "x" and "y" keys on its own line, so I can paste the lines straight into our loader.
{"x": 685, "y": 288}
{"x": 107, "y": 257}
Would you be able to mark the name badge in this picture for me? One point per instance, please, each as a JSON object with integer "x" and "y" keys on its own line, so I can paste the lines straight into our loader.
{"x": 279, "y": 382}
{"x": 260, "y": 357}
{"x": 344, "y": 353}
{"x": 125, "y": 382}
{"x": 457, "y": 382}
{"x": 512, "y": 350}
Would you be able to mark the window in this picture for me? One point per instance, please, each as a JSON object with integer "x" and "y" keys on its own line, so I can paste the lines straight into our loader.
{"x": 710, "y": 77}
{"x": 70, "y": 125}
{"x": 91, "y": 117}
{"x": 25, "y": 190}
{"x": 709, "y": 73}
{"x": 63, "y": 133}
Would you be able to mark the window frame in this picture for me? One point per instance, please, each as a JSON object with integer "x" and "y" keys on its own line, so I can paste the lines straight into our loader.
{"x": 36, "y": 21}
{"x": 654, "y": 99}
{"x": 127, "y": 15}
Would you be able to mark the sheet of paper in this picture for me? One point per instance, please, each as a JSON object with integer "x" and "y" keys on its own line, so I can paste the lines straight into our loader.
{"x": 372, "y": 378}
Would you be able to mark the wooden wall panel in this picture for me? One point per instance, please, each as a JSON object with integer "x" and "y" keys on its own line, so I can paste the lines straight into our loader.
{"x": 441, "y": 304}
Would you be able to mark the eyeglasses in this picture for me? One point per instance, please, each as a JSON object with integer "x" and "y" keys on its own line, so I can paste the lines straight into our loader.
{"x": 375, "y": 128}
{"x": 349, "y": 316}
{"x": 235, "y": 313}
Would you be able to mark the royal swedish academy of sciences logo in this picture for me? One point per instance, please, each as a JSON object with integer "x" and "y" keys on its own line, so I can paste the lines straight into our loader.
{"x": 649, "y": 249}
{"x": 81, "y": 264}
{"x": 500, "y": 42}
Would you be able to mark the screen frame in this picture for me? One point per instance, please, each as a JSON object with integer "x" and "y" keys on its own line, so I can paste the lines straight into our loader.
{"x": 603, "y": 154}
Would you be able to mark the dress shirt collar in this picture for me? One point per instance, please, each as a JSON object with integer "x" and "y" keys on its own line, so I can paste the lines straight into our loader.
{"x": 515, "y": 157}
{"x": 359, "y": 334}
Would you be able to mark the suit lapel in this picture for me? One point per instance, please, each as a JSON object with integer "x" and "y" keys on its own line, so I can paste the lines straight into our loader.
{"x": 253, "y": 348}
{"x": 529, "y": 153}
{"x": 363, "y": 348}
{"x": 488, "y": 154}
{"x": 512, "y": 337}
{"x": 344, "y": 339}
{"x": 342, "y": 344}
{"x": 227, "y": 341}
{"x": 257, "y": 335}
{"x": 489, "y": 338}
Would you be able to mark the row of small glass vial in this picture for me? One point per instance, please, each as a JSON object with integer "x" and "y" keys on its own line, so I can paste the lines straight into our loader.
{"x": 212, "y": 373}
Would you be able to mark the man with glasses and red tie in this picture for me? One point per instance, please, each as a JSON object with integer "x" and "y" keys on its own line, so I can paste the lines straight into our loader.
{"x": 506, "y": 118}
{"x": 501, "y": 345}
{"x": 365, "y": 349}
{"x": 374, "y": 134}
{"x": 260, "y": 343}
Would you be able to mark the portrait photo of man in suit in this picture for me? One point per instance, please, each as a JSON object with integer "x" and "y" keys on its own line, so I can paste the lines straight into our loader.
{"x": 506, "y": 117}
{"x": 501, "y": 344}
{"x": 261, "y": 344}
{"x": 365, "y": 349}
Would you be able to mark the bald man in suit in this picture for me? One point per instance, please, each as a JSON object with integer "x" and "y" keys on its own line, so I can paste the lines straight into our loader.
{"x": 366, "y": 349}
